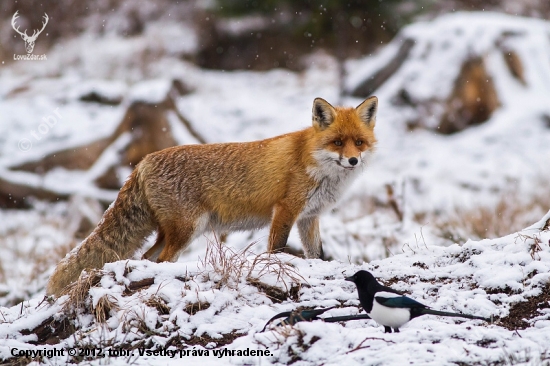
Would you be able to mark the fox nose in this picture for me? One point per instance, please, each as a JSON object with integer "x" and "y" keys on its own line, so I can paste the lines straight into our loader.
{"x": 353, "y": 161}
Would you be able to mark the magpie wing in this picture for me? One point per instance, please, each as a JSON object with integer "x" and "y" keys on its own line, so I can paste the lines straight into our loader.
{"x": 390, "y": 300}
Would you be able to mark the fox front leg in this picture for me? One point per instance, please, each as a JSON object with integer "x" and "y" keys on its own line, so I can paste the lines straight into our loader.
{"x": 308, "y": 227}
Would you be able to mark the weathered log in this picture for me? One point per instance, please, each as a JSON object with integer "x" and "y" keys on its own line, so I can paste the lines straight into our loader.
{"x": 146, "y": 122}
{"x": 369, "y": 85}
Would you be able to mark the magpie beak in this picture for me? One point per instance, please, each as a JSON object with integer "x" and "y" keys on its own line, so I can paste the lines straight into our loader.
{"x": 389, "y": 307}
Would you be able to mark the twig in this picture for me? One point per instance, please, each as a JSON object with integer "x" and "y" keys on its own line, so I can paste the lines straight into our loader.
{"x": 360, "y": 345}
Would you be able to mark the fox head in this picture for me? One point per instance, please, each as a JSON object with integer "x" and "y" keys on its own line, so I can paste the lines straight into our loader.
{"x": 345, "y": 135}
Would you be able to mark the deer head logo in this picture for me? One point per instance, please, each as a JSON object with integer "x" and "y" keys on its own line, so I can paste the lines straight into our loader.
{"x": 29, "y": 40}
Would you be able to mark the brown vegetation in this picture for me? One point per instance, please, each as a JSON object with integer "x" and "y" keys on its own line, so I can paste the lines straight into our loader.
{"x": 510, "y": 213}
{"x": 473, "y": 101}
{"x": 514, "y": 65}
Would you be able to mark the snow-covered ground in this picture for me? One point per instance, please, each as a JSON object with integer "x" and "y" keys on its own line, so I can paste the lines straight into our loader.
{"x": 210, "y": 308}
{"x": 431, "y": 174}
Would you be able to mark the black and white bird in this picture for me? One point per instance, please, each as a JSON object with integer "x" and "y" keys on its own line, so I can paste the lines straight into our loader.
{"x": 389, "y": 307}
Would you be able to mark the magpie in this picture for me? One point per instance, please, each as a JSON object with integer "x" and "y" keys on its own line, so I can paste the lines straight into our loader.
{"x": 389, "y": 307}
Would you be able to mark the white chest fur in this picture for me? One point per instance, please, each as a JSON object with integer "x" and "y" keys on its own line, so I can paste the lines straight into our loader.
{"x": 324, "y": 196}
{"x": 390, "y": 317}
{"x": 332, "y": 182}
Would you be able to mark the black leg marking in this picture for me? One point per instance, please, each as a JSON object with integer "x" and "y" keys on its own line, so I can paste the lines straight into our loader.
{"x": 387, "y": 329}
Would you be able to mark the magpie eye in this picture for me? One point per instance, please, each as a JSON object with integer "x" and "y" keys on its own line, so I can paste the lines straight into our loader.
{"x": 358, "y": 143}
{"x": 338, "y": 143}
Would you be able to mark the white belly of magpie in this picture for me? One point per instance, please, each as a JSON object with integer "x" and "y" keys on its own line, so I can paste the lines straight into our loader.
{"x": 389, "y": 317}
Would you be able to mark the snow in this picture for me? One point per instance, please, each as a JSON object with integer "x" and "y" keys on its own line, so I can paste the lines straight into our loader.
{"x": 429, "y": 173}
{"x": 456, "y": 278}
{"x": 152, "y": 91}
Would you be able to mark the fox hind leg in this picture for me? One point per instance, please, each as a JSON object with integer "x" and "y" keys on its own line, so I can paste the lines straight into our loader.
{"x": 153, "y": 252}
{"x": 178, "y": 234}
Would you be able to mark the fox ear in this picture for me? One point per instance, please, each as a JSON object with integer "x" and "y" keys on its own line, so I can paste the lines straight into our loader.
{"x": 323, "y": 113}
{"x": 367, "y": 111}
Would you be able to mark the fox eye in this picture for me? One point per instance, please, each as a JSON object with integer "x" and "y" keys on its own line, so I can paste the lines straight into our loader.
{"x": 358, "y": 143}
{"x": 338, "y": 143}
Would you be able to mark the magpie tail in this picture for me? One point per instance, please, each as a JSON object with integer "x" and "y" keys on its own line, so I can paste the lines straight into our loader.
{"x": 427, "y": 311}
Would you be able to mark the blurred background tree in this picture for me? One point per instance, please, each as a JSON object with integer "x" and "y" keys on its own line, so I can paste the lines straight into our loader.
{"x": 291, "y": 29}
{"x": 247, "y": 34}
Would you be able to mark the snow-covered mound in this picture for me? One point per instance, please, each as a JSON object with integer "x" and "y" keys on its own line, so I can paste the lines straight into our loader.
{"x": 462, "y": 61}
{"x": 198, "y": 309}
{"x": 439, "y": 70}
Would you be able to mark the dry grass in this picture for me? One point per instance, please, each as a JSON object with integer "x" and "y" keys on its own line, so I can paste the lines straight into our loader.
{"x": 270, "y": 264}
{"x": 103, "y": 307}
{"x": 534, "y": 243}
{"x": 195, "y": 307}
{"x": 226, "y": 262}
{"x": 229, "y": 267}
{"x": 159, "y": 304}
{"x": 509, "y": 214}
{"x": 134, "y": 320}
{"x": 78, "y": 291}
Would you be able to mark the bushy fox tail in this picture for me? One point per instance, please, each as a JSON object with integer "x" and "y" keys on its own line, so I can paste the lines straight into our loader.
{"x": 118, "y": 235}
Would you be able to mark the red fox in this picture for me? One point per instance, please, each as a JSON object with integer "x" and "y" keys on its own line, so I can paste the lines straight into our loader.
{"x": 184, "y": 191}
